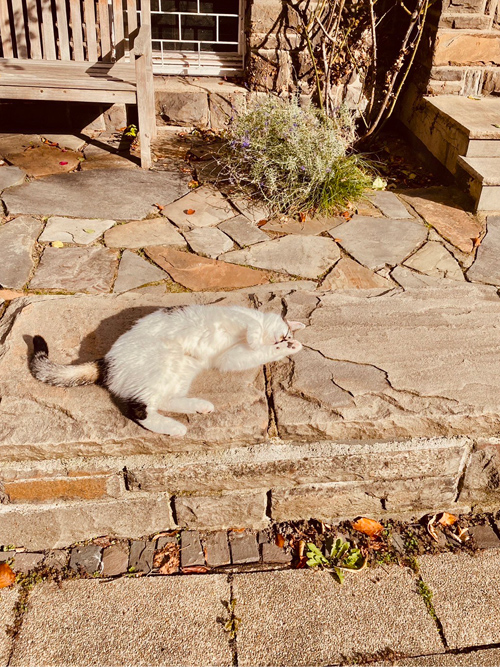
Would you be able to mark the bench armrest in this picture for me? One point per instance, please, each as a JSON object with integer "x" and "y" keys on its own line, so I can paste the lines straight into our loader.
{"x": 142, "y": 43}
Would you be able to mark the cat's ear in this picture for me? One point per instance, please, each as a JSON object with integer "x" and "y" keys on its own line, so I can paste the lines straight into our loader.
{"x": 295, "y": 326}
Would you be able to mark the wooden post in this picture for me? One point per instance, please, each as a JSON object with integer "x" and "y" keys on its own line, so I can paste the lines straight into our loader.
{"x": 145, "y": 93}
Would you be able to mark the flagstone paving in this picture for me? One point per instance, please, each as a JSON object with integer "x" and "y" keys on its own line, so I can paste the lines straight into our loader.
{"x": 141, "y": 233}
{"x": 17, "y": 243}
{"x": 71, "y": 230}
{"x": 10, "y": 176}
{"x": 135, "y": 271}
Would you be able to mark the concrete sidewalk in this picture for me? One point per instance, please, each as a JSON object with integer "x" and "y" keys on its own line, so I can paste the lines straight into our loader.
{"x": 447, "y": 614}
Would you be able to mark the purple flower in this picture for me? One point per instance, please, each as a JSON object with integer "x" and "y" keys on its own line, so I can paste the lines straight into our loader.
{"x": 303, "y": 168}
{"x": 245, "y": 143}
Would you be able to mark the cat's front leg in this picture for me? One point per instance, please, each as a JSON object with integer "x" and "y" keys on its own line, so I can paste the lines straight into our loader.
{"x": 242, "y": 357}
{"x": 188, "y": 406}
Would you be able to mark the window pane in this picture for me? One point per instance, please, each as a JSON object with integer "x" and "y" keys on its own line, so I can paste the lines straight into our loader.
{"x": 228, "y": 29}
{"x": 164, "y": 26}
{"x": 179, "y": 6}
{"x": 220, "y": 6}
{"x": 199, "y": 28}
{"x": 220, "y": 48}
{"x": 179, "y": 46}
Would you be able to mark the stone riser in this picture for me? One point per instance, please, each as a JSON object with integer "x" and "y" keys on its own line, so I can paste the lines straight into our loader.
{"x": 449, "y": 80}
{"x": 241, "y": 488}
{"x": 466, "y": 47}
{"x": 481, "y": 177}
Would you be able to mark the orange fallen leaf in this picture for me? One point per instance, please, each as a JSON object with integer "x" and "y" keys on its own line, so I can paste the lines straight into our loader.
{"x": 448, "y": 519}
{"x": 302, "y": 217}
{"x": 189, "y": 211}
{"x": 122, "y": 129}
{"x": 476, "y": 242}
{"x": 195, "y": 569}
{"x": 280, "y": 541}
{"x": 261, "y": 223}
{"x": 193, "y": 184}
{"x": 186, "y": 170}
{"x": 7, "y": 576}
{"x": 369, "y": 527}
{"x": 159, "y": 207}
{"x": 338, "y": 240}
{"x": 167, "y": 559}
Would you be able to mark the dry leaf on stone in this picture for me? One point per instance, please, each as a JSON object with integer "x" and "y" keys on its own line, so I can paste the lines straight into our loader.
{"x": 302, "y": 217}
{"x": 476, "y": 242}
{"x": 193, "y": 184}
{"x": 280, "y": 541}
{"x": 195, "y": 569}
{"x": 167, "y": 559}
{"x": 159, "y": 207}
{"x": 57, "y": 244}
{"x": 369, "y": 527}
{"x": 261, "y": 223}
{"x": 447, "y": 519}
{"x": 189, "y": 211}
{"x": 7, "y": 576}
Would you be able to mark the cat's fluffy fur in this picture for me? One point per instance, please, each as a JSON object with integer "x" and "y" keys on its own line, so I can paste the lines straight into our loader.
{"x": 151, "y": 366}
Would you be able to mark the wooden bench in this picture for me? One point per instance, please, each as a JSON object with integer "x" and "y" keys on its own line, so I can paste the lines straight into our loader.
{"x": 96, "y": 53}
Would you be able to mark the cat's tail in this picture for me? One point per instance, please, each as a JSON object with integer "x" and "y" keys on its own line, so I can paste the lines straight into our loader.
{"x": 62, "y": 375}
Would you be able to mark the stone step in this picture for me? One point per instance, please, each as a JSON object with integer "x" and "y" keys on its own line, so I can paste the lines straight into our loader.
{"x": 481, "y": 175}
{"x": 451, "y": 125}
{"x": 467, "y": 47}
{"x": 466, "y": 21}
{"x": 454, "y": 80}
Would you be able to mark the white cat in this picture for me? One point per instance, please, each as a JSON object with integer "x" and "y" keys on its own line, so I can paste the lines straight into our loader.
{"x": 151, "y": 366}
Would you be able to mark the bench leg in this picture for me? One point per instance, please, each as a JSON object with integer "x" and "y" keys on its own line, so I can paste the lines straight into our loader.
{"x": 145, "y": 108}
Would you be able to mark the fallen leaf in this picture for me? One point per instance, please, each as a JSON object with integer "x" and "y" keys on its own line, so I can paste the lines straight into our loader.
{"x": 193, "y": 184}
{"x": 102, "y": 541}
{"x": 448, "y": 519}
{"x": 431, "y": 530}
{"x": 280, "y": 541}
{"x": 474, "y": 97}
{"x": 189, "y": 211}
{"x": 63, "y": 163}
{"x": 89, "y": 231}
{"x": 379, "y": 184}
{"x": 338, "y": 240}
{"x": 369, "y": 527}
{"x": 159, "y": 207}
{"x": 476, "y": 241}
{"x": 496, "y": 124}
{"x": 57, "y": 244}
{"x": 7, "y": 576}
{"x": 186, "y": 170}
{"x": 195, "y": 569}
{"x": 121, "y": 129}
{"x": 261, "y": 223}
{"x": 302, "y": 217}
{"x": 167, "y": 559}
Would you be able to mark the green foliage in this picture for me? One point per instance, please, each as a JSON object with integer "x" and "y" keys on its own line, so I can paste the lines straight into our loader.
{"x": 231, "y": 626}
{"x": 426, "y": 594}
{"x": 341, "y": 557}
{"x": 131, "y": 131}
{"x": 295, "y": 159}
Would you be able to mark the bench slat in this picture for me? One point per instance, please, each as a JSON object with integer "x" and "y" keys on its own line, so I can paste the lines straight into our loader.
{"x": 119, "y": 29}
{"x": 75, "y": 10}
{"x": 48, "y": 37}
{"x": 67, "y": 95}
{"x": 76, "y": 84}
{"x": 105, "y": 30}
{"x": 17, "y": 10}
{"x": 131, "y": 22}
{"x": 90, "y": 29}
{"x": 5, "y": 35}
{"x": 62, "y": 29}
{"x": 34, "y": 29}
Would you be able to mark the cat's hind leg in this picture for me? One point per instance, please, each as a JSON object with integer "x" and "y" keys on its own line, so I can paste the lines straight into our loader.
{"x": 150, "y": 419}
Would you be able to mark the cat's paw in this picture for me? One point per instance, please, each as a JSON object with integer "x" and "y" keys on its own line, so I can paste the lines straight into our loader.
{"x": 176, "y": 430}
{"x": 294, "y": 346}
{"x": 288, "y": 347}
{"x": 202, "y": 406}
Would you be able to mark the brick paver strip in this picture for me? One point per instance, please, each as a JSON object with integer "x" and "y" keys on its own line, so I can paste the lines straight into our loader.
{"x": 466, "y": 596}
{"x": 191, "y": 551}
{"x": 217, "y": 549}
{"x": 129, "y": 621}
{"x": 481, "y": 658}
{"x": 8, "y": 599}
{"x": 244, "y": 548}
{"x": 306, "y": 618}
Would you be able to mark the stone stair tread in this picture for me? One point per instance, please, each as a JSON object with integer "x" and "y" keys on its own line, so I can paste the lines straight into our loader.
{"x": 484, "y": 169}
{"x": 477, "y": 118}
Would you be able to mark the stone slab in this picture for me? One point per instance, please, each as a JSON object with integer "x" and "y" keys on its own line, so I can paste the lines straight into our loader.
{"x": 485, "y": 169}
{"x": 255, "y": 211}
{"x": 241, "y": 230}
{"x": 390, "y": 205}
{"x": 434, "y": 260}
{"x": 63, "y": 524}
{"x": 485, "y": 537}
{"x": 10, "y": 176}
{"x": 89, "y": 270}
{"x": 191, "y": 551}
{"x": 16, "y": 143}
{"x": 120, "y": 195}
{"x": 115, "y": 560}
{"x": 244, "y": 548}
{"x": 145, "y": 621}
{"x": 17, "y": 244}
{"x": 272, "y": 553}
{"x": 406, "y": 352}
{"x": 68, "y": 141}
{"x": 229, "y": 509}
{"x": 440, "y": 208}
{"x": 456, "y": 578}
{"x": 200, "y": 273}
{"x": 24, "y": 562}
{"x": 45, "y": 160}
{"x": 142, "y": 233}
{"x": 375, "y": 242}
{"x": 135, "y": 271}
{"x": 141, "y": 556}
{"x": 86, "y": 558}
{"x": 208, "y": 241}
{"x": 316, "y": 633}
{"x": 208, "y": 205}
{"x": 217, "y": 549}
{"x": 8, "y": 600}
{"x": 310, "y": 227}
{"x": 74, "y": 230}
{"x": 38, "y": 420}
{"x": 306, "y": 256}
{"x": 486, "y": 268}
{"x": 409, "y": 279}
{"x": 348, "y": 274}
{"x": 466, "y": 47}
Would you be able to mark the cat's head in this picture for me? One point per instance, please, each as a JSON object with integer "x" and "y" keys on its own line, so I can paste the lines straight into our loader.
{"x": 276, "y": 329}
